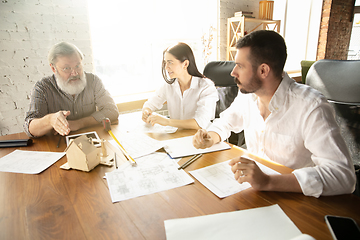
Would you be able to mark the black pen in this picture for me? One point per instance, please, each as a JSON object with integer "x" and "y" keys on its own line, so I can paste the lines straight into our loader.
{"x": 190, "y": 161}
{"x": 59, "y": 141}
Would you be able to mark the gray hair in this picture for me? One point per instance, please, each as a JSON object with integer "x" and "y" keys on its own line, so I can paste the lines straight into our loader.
{"x": 63, "y": 49}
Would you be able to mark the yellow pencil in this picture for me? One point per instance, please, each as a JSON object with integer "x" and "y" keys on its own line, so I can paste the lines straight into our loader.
{"x": 129, "y": 158}
{"x": 107, "y": 127}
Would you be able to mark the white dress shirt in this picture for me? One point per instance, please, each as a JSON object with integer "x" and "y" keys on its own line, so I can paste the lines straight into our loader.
{"x": 300, "y": 133}
{"x": 198, "y": 102}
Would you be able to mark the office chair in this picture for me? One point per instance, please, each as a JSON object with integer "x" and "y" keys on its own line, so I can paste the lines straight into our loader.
{"x": 305, "y": 66}
{"x": 339, "y": 82}
{"x": 219, "y": 73}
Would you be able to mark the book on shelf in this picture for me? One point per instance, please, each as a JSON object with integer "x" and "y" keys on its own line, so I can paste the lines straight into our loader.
{"x": 244, "y": 13}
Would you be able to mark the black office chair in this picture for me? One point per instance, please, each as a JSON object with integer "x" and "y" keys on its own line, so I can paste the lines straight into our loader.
{"x": 219, "y": 73}
{"x": 339, "y": 82}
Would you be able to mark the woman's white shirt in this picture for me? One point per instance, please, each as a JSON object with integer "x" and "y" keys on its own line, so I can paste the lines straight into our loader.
{"x": 198, "y": 102}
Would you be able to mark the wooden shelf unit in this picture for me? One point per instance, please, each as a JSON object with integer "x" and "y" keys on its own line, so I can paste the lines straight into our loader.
{"x": 236, "y": 30}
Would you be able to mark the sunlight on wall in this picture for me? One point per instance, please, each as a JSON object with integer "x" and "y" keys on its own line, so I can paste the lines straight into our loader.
{"x": 129, "y": 37}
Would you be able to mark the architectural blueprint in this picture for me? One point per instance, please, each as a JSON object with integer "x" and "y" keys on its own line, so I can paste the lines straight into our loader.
{"x": 154, "y": 173}
{"x": 219, "y": 178}
{"x": 28, "y": 162}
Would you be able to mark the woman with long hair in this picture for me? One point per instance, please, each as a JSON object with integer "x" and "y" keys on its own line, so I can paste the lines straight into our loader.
{"x": 191, "y": 98}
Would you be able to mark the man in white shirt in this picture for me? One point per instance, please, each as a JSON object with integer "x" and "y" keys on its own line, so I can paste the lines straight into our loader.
{"x": 286, "y": 122}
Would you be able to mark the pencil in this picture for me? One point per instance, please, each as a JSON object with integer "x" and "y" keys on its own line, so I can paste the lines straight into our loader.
{"x": 128, "y": 157}
{"x": 190, "y": 161}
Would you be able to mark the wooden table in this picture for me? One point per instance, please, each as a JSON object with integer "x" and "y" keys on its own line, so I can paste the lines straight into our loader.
{"x": 61, "y": 204}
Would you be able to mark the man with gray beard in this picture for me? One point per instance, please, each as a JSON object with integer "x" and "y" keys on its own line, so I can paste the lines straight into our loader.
{"x": 70, "y": 99}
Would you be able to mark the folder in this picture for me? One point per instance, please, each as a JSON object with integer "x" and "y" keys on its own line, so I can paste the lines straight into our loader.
{"x": 15, "y": 143}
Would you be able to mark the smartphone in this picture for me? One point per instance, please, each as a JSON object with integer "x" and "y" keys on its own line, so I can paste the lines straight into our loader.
{"x": 342, "y": 227}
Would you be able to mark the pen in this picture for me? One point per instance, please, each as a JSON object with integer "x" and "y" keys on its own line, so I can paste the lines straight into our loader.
{"x": 59, "y": 141}
{"x": 190, "y": 161}
{"x": 115, "y": 161}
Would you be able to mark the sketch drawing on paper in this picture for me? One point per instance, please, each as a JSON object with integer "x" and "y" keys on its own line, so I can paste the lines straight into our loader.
{"x": 154, "y": 173}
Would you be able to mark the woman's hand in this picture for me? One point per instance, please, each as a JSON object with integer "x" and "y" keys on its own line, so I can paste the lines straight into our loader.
{"x": 156, "y": 118}
{"x": 146, "y": 113}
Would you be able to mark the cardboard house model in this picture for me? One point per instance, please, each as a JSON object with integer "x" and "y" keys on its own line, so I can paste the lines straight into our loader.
{"x": 82, "y": 154}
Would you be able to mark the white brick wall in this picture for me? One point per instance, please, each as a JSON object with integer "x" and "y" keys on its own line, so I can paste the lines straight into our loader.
{"x": 28, "y": 28}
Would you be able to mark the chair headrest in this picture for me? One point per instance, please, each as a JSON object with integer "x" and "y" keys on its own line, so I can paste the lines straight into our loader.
{"x": 337, "y": 80}
{"x": 219, "y": 73}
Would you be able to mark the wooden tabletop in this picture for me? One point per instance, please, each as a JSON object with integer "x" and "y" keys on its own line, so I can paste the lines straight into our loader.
{"x": 71, "y": 204}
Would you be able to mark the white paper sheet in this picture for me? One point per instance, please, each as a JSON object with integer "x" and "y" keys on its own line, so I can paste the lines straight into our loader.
{"x": 181, "y": 147}
{"x": 219, "y": 178}
{"x": 259, "y": 223}
{"x": 29, "y": 162}
{"x": 148, "y": 128}
{"x": 138, "y": 144}
{"x": 154, "y": 173}
{"x": 134, "y": 123}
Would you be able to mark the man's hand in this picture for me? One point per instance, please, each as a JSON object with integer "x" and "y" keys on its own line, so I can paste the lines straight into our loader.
{"x": 203, "y": 139}
{"x": 59, "y": 123}
{"x": 246, "y": 170}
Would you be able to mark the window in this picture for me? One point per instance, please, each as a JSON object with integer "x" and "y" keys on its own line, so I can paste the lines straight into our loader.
{"x": 354, "y": 46}
{"x": 129, "y": 37}
{"x": 300, "y": 24}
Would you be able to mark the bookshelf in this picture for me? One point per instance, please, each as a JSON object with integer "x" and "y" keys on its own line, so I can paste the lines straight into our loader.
{"x": 236, "y": 30}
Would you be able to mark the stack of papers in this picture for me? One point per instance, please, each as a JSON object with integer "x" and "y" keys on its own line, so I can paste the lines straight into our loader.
{"x": 138, "y": 144}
